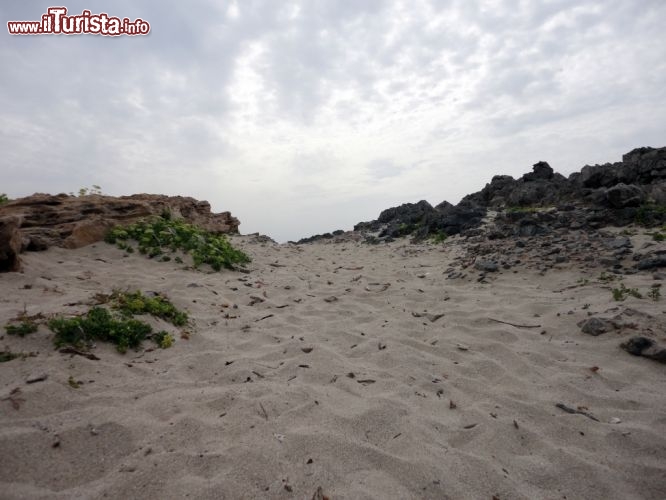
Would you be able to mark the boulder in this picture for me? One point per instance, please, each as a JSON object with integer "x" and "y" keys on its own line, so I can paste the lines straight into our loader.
{"x": 643, "y": 346}
{"x": 596, "y": 326}
{"x": 622, "y": 195}
{"x": 10, "y": 244}
{"x": 86, "y": 232}
{"x": 486, "y": 266}
{"x": 408, "y": 213}
{"x": 540, "y": 171}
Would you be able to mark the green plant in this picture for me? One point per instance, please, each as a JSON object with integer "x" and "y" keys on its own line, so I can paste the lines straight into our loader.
{"x": 649, "y": 213}
{"x": 3, "y": 198}
{"x": 7, "y": 356}
{"x": 605, "y": 278}
{"x": 623, "y": 292}
{"x": 163, "y": 339}
{"x": 119, "y": 328}
{"x": 404, "y": 229}
{"x": 99, "y": 324}
{"x": 22, "y": 329}
{"x": 526, "y": 209}
{"x": 159, "y": 235}
{"x": 654, "y": 293}
{"x": 657, "y": 236}
{"x": 132, "y": 303}
{"x": 439, "y": 236}
{"x": 73, "y": 383}
{"x": 84, "y": 191}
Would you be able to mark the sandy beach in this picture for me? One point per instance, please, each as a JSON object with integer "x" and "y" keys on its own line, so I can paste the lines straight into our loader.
{"x": 361, "y": 369}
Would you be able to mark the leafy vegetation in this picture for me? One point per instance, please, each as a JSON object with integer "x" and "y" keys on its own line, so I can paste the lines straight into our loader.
{"x": 121, "y": 328}
{"x": 84, "y": 191}
{"x": 654, "y": 293}
{"x": 526, "y": 209}
{"x": 623, "y": 292}
{"x": 163, "y": 339}
{"x": 405, "y": 229}
{"x": 132, "y": 303}
{"x": 3, "y": 198}
{"x": 162, "y": 234}
{"x": 7, "y": 356}
{"x": 21, "y": 329}
{"x": 439, "y": 236}
{"x": 99, "y": 324}
{"x": 650, "y": 213}
{"x": 605, "y": 278}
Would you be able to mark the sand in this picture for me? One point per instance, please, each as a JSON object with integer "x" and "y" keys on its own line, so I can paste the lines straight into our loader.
{"x": 357, "y": 368}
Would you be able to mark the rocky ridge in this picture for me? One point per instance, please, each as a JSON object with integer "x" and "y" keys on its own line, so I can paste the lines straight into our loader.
{"x": 539, "y": 202}
{"x": 40, "y": 221}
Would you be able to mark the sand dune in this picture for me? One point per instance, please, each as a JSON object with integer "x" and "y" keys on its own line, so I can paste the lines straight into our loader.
{"x": 361, "y": 369}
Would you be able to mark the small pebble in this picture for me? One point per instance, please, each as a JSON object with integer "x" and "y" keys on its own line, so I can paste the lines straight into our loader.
{"x": 36, "y": 377}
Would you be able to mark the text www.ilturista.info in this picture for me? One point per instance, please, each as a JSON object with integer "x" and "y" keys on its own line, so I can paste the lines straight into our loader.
{"x": 57, "y": 22}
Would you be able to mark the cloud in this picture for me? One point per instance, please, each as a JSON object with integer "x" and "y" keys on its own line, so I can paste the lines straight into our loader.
{"x": 330, "y": 110}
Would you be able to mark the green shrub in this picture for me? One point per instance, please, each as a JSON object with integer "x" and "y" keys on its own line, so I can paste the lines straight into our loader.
{"x": 132, "y": 303}
{"x": 159, "y": 235}
{"x": 22, "y": 329}
{"x": 95, "y": 189}
{"x": 650, "y": 213}
{"x": 605, "y": 278}
{"x": 8, "y": 356}
{"x": 118, "y": 325}
{"x": 3, "y": 198}
{"x": 654, "y": 293}
{"x": 623, "y": 292}
{"x": 99, "y": 324}
{"x": 439, "y": 236}
{"x": 163, "y": 339}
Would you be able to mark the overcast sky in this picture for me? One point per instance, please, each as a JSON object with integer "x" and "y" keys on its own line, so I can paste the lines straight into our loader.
{"x": 302, "y": 117}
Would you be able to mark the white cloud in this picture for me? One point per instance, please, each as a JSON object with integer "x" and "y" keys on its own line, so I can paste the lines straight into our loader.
{"x": 302, "y": 117}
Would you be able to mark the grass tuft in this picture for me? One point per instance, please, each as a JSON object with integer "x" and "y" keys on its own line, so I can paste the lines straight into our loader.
{"x": 22, "y": 329}
{"x": 623, "y": 292}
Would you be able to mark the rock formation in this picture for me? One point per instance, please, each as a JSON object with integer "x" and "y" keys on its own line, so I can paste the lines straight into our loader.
{"x": 39, "y": 221}
{"x": 10, "y": 244}
{"x": 633, "y": 190}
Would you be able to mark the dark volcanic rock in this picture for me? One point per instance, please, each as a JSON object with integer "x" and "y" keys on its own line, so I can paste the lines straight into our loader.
{"x": 542, "y": 201}
{"x": 596, "y": 326}
{"x": 486, "y": 266}
{"x": 408, "y": 213}
{"x": 652, "y": 261}
{"x": 643, "y": 346}
{"x": 622, "y": 195}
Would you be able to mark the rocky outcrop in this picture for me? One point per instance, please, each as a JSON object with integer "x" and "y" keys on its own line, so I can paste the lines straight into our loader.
{"x": 633, "y": 190}
{"x": 10, "y": 244}
{"x": 44, "y": 220}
